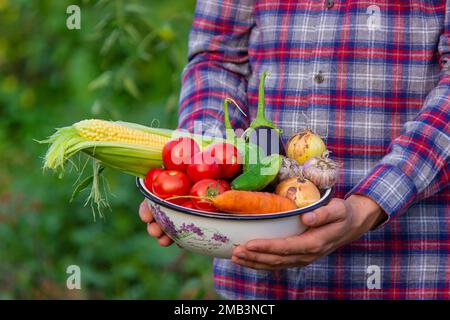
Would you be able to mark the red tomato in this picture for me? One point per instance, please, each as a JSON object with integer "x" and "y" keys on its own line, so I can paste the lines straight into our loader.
{"x": 206, "y": 187}
{"x": 188, "y": 204}
{"x": 178, "y": 153}
{"x": 203, "y": 166}
{"x": 225, "y": 184}
{"x": 171, "y": 183}
{"x": 228, "y": 157}
{"x": 151, "y": 176}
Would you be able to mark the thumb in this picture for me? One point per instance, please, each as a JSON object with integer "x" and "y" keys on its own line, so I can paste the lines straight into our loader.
{"x": 333, "y": 212}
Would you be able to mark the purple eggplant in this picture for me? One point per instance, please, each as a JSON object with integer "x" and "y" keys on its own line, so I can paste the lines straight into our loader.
{"x": 268, "y": 139}
{"x": 263, "y": 132}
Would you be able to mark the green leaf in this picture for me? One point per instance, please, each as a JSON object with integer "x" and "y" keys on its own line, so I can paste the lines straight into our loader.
{"x": 136, "y": 8}
{"x": 101, "y": 81}
{"x": 109, "y": 42}
{"x": 133, "y": 33}
{"x": 131, "y": 88}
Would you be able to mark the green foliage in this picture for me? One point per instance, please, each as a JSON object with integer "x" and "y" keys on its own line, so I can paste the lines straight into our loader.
{"x": 124, "y": 64}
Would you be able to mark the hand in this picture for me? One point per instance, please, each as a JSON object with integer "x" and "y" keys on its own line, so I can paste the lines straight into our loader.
{"x": 330, "y": 227}
{"x": 153, "y": 228}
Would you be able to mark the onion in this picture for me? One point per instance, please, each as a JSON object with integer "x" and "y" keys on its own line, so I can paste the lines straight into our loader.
{"x": 305, "y": 145}
{"x": 322, "y": 171}
{"x": 302, "y": 191}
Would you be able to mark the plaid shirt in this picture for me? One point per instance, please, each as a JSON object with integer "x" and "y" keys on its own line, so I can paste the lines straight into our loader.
{"x": 374, "y": 78}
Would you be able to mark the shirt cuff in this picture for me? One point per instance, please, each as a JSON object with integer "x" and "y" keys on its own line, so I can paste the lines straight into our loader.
{"x": 389, "y": 187}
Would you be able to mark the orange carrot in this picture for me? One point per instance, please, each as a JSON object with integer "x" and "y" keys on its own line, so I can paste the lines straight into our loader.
{"x": 251, "y": 202}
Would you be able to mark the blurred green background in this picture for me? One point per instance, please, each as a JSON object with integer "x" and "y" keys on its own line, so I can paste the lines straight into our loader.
{"x": 125, "y": 63}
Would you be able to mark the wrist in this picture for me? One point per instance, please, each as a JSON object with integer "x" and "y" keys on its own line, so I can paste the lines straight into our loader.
{"x": 367, "y": 214}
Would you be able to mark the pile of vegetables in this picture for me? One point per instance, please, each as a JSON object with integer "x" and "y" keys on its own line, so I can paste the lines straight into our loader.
{"x": 251, "y": 174}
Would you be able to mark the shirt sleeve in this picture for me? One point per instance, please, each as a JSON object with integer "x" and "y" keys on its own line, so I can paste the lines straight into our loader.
{"x": 417, "y": 163}
{"x": 217, "y": 65}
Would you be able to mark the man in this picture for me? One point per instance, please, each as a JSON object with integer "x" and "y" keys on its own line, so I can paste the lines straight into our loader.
{"x": 374, "y": 78}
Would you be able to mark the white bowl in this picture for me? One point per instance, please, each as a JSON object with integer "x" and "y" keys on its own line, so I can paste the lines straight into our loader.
{"x": 215, "y": 234}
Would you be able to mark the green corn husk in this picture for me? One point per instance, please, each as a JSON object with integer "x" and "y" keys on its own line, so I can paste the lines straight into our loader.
{"x": 131, "y": 158}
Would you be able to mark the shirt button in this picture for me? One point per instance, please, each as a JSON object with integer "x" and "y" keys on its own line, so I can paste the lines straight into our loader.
{"x": 319, "y": 78}
{"x": 329, "y": 4}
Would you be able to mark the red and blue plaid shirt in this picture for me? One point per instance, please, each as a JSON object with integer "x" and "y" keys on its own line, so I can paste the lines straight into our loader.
{"x": 374, "y": 78}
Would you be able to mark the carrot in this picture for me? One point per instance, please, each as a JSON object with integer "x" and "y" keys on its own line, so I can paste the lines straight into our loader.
{"x": 251, "y": 202}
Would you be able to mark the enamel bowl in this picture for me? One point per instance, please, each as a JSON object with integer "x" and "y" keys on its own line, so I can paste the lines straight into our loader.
{"x": 215, "y": 234}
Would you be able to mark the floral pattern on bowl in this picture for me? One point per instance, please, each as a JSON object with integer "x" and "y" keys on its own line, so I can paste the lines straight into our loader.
{"x": 186, "y": 230}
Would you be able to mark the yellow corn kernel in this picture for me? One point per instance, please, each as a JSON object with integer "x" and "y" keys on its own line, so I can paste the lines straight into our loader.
{"x": 108, "y": 131}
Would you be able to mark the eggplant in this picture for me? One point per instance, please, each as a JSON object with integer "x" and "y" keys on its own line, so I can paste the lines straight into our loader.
{"x": 263, "y": 132}
{"x": 268, "y": 139}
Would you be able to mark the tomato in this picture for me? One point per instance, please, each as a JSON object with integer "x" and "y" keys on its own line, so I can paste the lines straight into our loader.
{"x": 228, "y": 157}
{"x": 225, "y": 184}
{"x": 151, "y": 176}
{"x": 203, "y": 166}
{"x": 205, "y": 188}
{"x": 188, "y": 204}
{"x": 177, "y": 153}
{"x": 171, "y": 183}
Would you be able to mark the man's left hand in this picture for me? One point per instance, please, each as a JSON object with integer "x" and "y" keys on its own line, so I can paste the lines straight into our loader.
{"x": 330, "y": 227}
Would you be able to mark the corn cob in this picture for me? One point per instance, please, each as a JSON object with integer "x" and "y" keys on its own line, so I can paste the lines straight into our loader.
{"x": 108, "y": 131}
{"x": 131, "y": 148}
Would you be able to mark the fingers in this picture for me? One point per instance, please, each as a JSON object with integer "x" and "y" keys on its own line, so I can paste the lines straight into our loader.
{"x": 281, "y": 246}
{"x": 154, "y": 230}
{"x": 301, "y": 244}
{"x": 145, "y": 213}
{"x": 298, "y": 251}
{"x": 165, "y": 241}
{"x": 314, "y": 241}
{"x": 262, "y": 266}
{"x": 252, "y": 264}
{"x": 267, "y": 261}
{"x": 333, "y": 212}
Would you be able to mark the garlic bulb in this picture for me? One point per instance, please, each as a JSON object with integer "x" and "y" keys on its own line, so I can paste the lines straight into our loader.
{"x": 322, "y": 171}
{"x": 305, "y": 145}
{"x": 289, "y": 169}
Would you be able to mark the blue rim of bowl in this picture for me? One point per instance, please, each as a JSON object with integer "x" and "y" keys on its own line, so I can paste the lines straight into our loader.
{"x": 326, "y": 197}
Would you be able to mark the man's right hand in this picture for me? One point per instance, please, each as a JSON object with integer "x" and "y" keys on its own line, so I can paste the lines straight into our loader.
{"x": 153, "y": 228}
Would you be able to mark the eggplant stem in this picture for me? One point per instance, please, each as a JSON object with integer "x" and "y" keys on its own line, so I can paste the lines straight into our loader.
{"x": 260, "y": 119}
